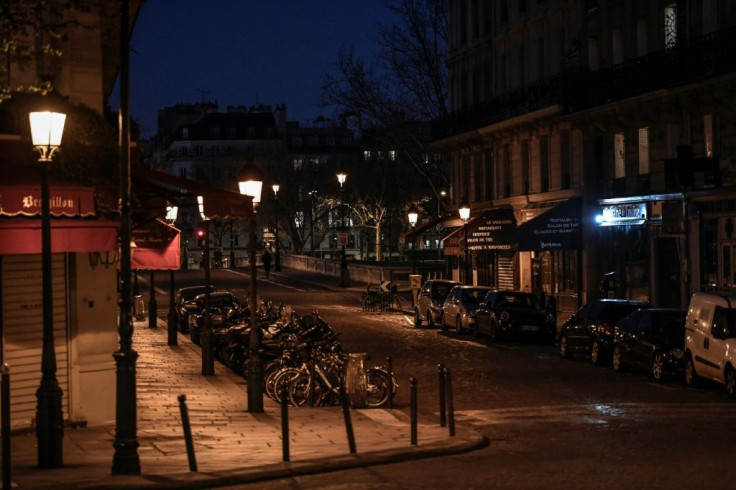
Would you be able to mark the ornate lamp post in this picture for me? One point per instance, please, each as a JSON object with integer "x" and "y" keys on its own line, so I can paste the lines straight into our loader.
{"x": 250, "y": 183}
{"x": 465, "y": 216}
{"x": 171, "y": 319}
{"x": 125, "y": 460}
{"x": 277, "y": 258}
{"x": 46, "y": 132}
{"x": 207, "y": 337}
{"x": 341, "y": 177}
{"x": 413, "y": 216}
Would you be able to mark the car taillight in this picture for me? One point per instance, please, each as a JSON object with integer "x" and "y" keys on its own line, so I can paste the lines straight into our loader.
{"x": 606, "y": 329}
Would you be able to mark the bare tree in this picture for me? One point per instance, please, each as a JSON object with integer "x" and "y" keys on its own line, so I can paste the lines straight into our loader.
{"x": 31, "y": 32}
{"x": 407, "y": 83}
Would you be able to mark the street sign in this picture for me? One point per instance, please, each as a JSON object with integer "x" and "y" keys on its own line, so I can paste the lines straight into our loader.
{"x": 386, "y": 286}
{"x": 343, "y": 238}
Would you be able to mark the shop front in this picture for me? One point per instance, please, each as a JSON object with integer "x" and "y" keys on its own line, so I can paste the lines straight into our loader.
{"x": 551, "y": 249}
{"x": 643, "y": 249}
{"x": 84, "y": 297}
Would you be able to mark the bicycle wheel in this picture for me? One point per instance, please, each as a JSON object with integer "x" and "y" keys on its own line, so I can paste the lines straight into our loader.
{"x": 378, "y": 387}
{"x": 278, "y": 380}
{"x": 299, "y": 391}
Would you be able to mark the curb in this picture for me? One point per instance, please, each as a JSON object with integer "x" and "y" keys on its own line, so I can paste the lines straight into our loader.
{"x": 466, "y": 440}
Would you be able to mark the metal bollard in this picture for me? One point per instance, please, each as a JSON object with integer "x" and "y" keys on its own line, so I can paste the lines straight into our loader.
{"x": 6, "y": 424}
{"x": 152, "y": 305}
{"x": 348, "y": 421}
{"x": 450, "y": 405}
{"x": 443, "y": 414}
{"x": 284, "y": 423}
{"x": 390, "y": 371}
{"x": 173, "y": 317}
{"x": 187, "y": 433}
{"x": 413, "y": 383}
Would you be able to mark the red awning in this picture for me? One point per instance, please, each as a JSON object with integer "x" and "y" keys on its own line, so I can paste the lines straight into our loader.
{"x": 67, "y": 201}
{"x": 23, "y": 236}
{"x": 218, "y": 203}
{"x": 156, "y": 247}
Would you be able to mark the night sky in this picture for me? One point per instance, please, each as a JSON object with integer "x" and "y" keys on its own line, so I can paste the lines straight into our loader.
{"x": 242, "y": 52}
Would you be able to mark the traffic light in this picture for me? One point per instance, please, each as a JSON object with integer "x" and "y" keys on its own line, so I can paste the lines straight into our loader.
{"x": 200, "y": 238}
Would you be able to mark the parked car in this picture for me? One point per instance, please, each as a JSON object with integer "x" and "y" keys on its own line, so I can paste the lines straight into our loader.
{"x": 514, "y": 314}
{"x": 430, "y": 300}
{"x": 458, "y": 310}
{"x": 710, "y": 340}
{"x": 652, "y": 339}
{"x": 225, "y": 310}
{"x": 184, "y": 295}
{"x": 590, "y": 330}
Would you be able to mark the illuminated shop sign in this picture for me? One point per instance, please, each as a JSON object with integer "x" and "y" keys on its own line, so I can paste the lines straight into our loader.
{"x": 622, "y": 214}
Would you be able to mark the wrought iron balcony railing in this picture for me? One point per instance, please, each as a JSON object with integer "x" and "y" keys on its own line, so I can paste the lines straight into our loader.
{"x": 688, "y": 62}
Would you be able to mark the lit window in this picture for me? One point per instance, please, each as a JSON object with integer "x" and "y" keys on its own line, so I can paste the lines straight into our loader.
{"x": 392, "y": 155}
{"x": 366, "y": 155}
{"x": 670, "y": 25}
{"x": 297, "y": 164}
{"x": 185, "y": 133}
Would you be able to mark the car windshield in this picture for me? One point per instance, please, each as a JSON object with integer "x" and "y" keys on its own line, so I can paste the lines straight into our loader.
{"x": 613, "y": 312}
{"x": 441, "y": 290}
{"x": 517, "y": 300}
{"x": 473, "y": 296}
{"x": 670, "y": 325}
{"x": 223, "y": 301}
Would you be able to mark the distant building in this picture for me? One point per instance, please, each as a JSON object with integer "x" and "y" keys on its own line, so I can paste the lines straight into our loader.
{"x": 607, "y": 128}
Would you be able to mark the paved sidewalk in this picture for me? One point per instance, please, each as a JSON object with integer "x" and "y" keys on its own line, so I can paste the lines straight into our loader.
{"x": 231, "y": 445}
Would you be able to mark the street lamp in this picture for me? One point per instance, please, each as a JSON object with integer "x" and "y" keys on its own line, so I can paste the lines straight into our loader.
{"x": 207, "y": 336}
{"x": 172, "y": 212}
{"x": 341, "y": 177}
{"x": 465, "y": 216}
{"x": 46, "y": 130}
{"x": 413, "y": 216}
{"x": 250, "y": 183}
{"x": 277, "y": 258}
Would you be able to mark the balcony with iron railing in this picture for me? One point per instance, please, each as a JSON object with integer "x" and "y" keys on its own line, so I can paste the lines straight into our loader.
{"x": 688, "y": 62}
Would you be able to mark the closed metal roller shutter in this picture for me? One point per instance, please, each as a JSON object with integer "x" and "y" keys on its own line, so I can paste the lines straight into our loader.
{"x": 505, "y": 271}
{"x": 22, "y": 331}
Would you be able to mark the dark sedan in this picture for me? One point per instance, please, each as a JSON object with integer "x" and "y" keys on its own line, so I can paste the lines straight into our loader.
{"x": 590, "y": 330}
{"x": 652, "y": 339}
{"x": 512, "y": 314}
{"x": 183, "y": 296}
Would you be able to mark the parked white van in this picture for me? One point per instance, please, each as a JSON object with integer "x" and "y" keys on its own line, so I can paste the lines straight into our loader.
{"x": 710, "y": 339}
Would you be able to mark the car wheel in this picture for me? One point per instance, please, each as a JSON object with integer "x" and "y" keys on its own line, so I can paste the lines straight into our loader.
{"x": 595, "y": 353}
{"x": 730, "y": 382}
{"x": 459, "y": 325}
{"x": 564, "y": 349}
{"x": 417, "y": 318}
{"x": 691, "y": 377}
{"x": 658, "y": 366}
{"x": 442, "y": 323}
{"x": 617, "y": 362}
